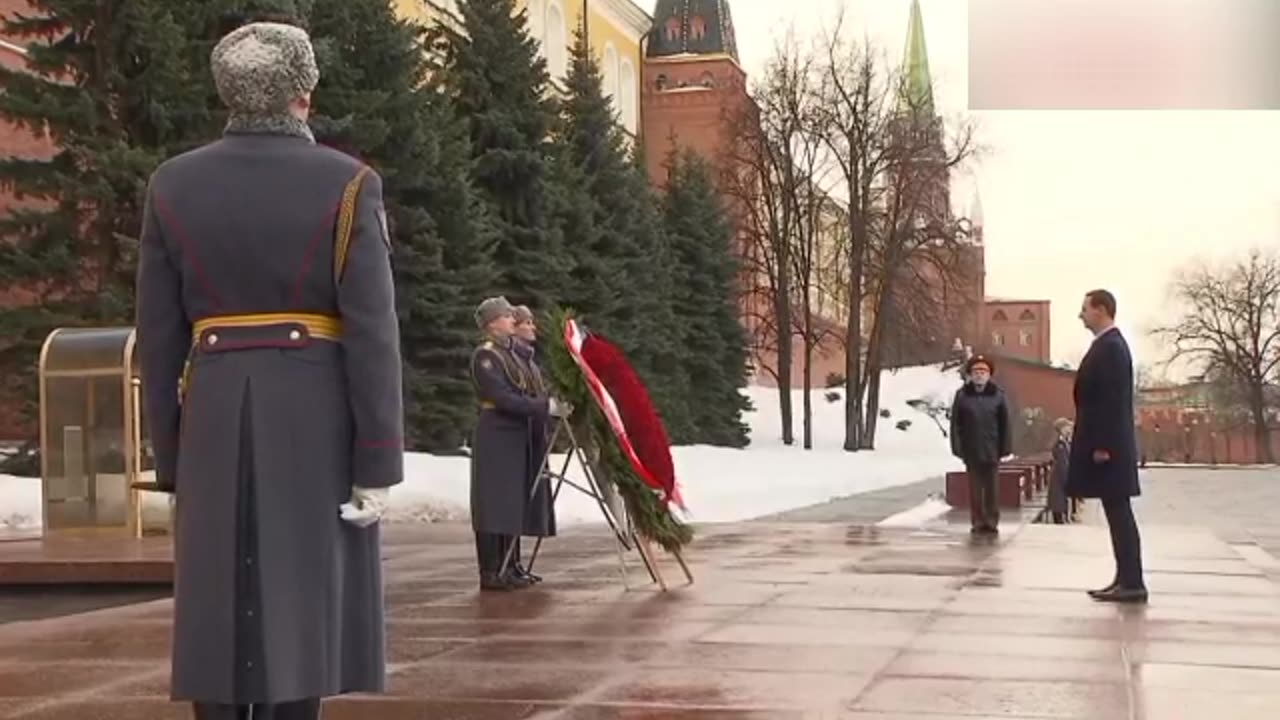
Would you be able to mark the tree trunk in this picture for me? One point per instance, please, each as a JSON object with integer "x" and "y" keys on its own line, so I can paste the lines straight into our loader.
{"x": 1261, "y": 432}
{"x": 784, "y": 390}
{"x": 853, "y": 428}
{"x": 875, "y": 351}
{"x": 807, "y": 371}
{"x": 782, "y": 317}
{"x": 873, "y": 404}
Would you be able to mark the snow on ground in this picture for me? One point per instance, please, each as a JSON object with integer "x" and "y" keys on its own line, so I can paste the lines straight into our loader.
{"x": 719, "y": 484}
{"x": 922, "y": 514}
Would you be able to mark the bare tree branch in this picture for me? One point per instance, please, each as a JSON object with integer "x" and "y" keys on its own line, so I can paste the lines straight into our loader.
{"x": 1228, "y": 325}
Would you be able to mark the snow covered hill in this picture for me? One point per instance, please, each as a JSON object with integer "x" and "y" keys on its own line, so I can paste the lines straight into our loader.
{"x": 719, "y": 484}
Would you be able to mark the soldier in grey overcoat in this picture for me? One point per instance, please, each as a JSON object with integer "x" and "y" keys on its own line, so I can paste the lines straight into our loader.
{"x": 502, "y": 452}
{"x": 269, "y": 348}
{"x": 540, "y": 511}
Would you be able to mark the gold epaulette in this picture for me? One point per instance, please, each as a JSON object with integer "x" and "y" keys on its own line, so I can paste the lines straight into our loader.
{"x": 347, "y": 222}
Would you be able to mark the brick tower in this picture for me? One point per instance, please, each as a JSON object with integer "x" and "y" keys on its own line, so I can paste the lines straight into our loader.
{"x": 931, "y": 310}
{"x": 692, "y": 84}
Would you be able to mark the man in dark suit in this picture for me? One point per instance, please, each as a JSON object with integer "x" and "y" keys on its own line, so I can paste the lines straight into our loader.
{"x": 1104, "y": 454}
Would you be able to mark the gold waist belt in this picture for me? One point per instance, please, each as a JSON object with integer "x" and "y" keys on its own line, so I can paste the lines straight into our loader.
{"x": 321, "y": 327}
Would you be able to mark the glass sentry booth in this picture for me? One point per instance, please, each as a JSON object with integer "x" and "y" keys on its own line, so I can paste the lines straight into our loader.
{"x": 97, "y": 471}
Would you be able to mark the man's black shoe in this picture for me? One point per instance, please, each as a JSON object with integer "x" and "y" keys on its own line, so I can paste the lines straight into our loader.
{"x": 1122, "y": 595}
{"x": 1103, "y": 591}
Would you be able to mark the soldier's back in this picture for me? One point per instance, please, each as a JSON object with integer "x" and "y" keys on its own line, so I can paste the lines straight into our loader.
{"x": 250, "y": 220}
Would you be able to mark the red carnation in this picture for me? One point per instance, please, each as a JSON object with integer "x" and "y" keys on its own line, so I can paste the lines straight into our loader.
{"x": 644, "y": 427}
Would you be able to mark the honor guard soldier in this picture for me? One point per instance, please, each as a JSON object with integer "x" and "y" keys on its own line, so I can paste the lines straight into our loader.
{"x": 265, "y": 300}
{"x": 502, "y": 457}
{"x": 540, "y": 512}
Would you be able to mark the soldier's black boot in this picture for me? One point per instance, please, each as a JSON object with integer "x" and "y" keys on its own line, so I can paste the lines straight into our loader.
{"x": 493, "y": 582}
{"x": 218, "y": 711}
{"x": 296, "y": 710}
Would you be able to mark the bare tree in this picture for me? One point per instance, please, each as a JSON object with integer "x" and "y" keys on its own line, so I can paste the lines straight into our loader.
{"x": 857, "y": 110}
{"x": 1229, "y": 325}
{"x": 762, "y": 177}
{"x": 815, "y": 231}
{"x": 907, "y": 256}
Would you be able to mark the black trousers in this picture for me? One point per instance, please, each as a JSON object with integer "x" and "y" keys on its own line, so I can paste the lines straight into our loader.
{"x": 491, "y": 550}
{"x": 984, "y": 502}
{"x": 1126, "y": 544}
{"x": 299, "y": 710}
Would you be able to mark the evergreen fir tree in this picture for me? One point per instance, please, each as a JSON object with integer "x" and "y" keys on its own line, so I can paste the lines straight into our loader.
{"x": 500, "y": 85}
{"x": 713, "y": 340}
{"x": 624, "y": 271}
{"x": 376, "y": 102}
{"x": 117, "y": 88}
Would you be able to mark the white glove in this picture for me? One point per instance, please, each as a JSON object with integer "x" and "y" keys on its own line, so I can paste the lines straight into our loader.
{"x": 560, "y": 408}
{"x": 366, "y": 506}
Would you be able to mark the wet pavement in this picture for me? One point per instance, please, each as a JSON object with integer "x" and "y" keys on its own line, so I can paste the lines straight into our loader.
{"x": 784, "y": 621}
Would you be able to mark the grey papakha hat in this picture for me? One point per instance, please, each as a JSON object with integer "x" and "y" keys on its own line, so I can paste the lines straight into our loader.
{"x": 522, "y": 313}
{"x": 261, "y": 67}
{"x": 491, "y": 309}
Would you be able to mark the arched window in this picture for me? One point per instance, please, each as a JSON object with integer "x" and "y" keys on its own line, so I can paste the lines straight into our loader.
{"x": 707, "y": 80}
{"x": 557, "y": 41}
{"x": 672, "y": 28}
{"x": 1027, "y": 316}
{"x": 997, "y": 339}
{"x": 697, "y": 27}
{"x": 609, "y": 71}
{"x": 538, "y": 23}
{"x": 662, "y": 83}
{"x": 999, "y": 316}
{"x": 627, "y": 91}
{"x": 1024, "y": 338}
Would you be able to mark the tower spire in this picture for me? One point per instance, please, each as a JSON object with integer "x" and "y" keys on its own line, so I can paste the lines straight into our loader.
{"x": 917, "y": 83}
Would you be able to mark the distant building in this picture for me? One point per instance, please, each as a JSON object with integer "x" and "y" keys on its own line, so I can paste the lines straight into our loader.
{"x": 615, "y": 30}
{"x": 1017, "y": 328}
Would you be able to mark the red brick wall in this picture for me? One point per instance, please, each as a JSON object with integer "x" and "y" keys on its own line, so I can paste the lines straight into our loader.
{"x": 1171, "y": 435}
{"x": 1012, "y": 321}
{"x": 828, "y": 358}
{"x": 1035, "y": 386}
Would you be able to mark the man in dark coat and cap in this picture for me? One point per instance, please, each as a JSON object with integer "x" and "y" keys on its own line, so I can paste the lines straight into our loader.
{"x": 1104, "y": 448}
{"x": 980, "y": 436}
{"x": 269, "y": 348}
{"x": 512, "y": 411}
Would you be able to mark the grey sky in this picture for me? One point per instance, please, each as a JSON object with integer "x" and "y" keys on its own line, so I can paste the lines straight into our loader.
{"x": 1075, "y": 200}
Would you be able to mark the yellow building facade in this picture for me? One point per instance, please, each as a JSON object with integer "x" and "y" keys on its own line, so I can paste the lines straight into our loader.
{"x": 615, "y": 29}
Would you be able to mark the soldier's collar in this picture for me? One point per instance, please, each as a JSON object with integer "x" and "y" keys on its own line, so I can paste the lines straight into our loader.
{"x": 271, "y": 124}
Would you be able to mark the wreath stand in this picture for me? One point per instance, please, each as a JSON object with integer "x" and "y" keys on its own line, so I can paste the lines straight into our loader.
{"x": 623, "y": 530}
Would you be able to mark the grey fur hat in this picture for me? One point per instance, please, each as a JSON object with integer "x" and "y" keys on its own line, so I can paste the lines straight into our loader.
{"x": 491, "y": 309}
{"x": 261, "y": 67}
{"x": 522, "y": 313}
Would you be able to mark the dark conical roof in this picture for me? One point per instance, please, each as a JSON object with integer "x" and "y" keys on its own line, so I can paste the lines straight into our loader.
{"x": 697, "y": 27}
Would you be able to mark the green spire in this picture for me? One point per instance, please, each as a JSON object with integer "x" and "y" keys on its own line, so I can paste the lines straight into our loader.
{"x": 917, "y": 86}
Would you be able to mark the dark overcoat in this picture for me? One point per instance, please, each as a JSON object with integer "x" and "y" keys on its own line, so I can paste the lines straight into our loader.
{"x": 1104, "y": 421}
{"x": 540, "y": 513}
{"x": 275, "y": 597}
{"x": 1057, "y": 500}
{"x": 502, "y": 460}
{"x": 980, "y": 431}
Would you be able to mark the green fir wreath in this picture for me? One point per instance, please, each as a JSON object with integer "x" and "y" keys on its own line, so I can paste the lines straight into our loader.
{"x": 649, "y": 516}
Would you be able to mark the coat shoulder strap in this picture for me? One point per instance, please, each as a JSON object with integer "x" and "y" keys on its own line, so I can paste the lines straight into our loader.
{"x": 347, "y": 222}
